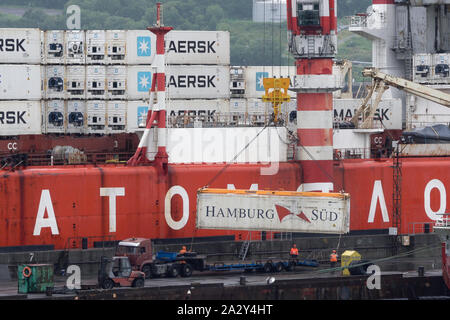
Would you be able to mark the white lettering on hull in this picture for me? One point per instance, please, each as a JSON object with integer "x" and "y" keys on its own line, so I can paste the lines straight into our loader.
{"x": 112, "y": 193}
{"x": 435, "y": 184}
{"x": 378, "y": 196}
{"x": 45, "y": 204}
{"x": 176, "y": 190}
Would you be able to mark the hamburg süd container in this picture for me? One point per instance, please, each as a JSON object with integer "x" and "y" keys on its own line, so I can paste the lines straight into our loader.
{"x": 310, "y": 212}
{"x": 20, "y": 117}
{"x": 20, "y": 82}
{"x": 23, "y": 46}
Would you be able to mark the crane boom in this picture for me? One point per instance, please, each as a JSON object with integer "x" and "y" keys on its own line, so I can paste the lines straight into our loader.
{"x": 409, "y": 86}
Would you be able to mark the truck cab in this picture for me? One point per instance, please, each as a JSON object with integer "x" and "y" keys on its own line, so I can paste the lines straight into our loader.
{"x": 138, "y": 251}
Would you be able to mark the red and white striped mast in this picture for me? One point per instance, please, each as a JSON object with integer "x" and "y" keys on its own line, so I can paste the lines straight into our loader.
{"x": 157, "y": 110}
{"x": 312, "y": 28}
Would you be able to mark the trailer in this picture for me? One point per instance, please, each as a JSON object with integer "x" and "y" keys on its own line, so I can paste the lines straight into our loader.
{"x": 269, "y": 265}
{"x": 173, "y": 264}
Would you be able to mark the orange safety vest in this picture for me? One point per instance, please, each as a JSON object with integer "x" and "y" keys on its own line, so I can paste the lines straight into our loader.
{"x": 294, "y": 251}
{"x": 333, "y": 257}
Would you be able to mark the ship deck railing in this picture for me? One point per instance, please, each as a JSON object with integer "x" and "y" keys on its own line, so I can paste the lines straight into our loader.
{"x": 443, "y": 222}
{"x": 46, "y": 159}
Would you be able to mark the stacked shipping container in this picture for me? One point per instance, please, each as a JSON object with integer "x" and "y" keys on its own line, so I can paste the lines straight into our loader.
{"x": 97, "y": 81}
{"x": 90, "y": 81}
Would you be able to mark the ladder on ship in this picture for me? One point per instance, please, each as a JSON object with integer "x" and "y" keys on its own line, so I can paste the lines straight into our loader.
{"x": 245, "y": 246}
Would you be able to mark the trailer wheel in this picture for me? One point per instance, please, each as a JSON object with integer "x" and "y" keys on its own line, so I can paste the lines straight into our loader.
{"x": 172, "y": 272}
{"x": 279, "y": 267}
{"x": 268, "y": 267}
{"x": 107, "y": 284}
{"x": 147, "y": 270}
{"x": 186, "y": 270}
{"x": 290, "y": 266}
{"x": 138, "y": 283}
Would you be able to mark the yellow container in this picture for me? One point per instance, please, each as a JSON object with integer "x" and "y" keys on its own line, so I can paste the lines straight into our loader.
{"x": 347, "y": 257}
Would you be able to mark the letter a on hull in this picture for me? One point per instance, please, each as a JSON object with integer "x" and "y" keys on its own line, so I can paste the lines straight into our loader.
{"x": 45, "y": 204}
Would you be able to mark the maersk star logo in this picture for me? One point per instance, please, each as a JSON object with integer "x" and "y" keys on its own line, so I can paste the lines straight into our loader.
{"x": 259, "y": 80}
{"x": 143, "y": 47}
{"x": 144, "y": 81}
{"x": 142, "y": 116}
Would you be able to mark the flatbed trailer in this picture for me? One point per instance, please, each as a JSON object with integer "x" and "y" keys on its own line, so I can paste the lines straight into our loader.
{"x": 198, "y": 263}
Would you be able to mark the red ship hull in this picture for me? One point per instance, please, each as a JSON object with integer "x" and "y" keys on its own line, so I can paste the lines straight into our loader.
{"x": 117, "y": 202}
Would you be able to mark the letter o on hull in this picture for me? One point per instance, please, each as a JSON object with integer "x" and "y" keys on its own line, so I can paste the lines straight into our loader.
{"x": 176, "y": 190}
{"x": 435, "y": 183}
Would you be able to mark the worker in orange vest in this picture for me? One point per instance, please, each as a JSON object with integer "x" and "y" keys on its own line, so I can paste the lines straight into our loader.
{"x": 333, "y": 259}
{"x": 183, "y": 250}
{"x": 294, "y": 251}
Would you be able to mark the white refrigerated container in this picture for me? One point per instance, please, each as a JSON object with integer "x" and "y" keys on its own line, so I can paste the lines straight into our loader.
{"x": 54, "y": 82}
{"x": 95, "y": 46}
{"x": 55, "y": 116}
{"x": 96, "y": 116}
{"x": 76, "y": 82}
{"x": 116, "y": 82}
{"x": 116, "y": 112}
{"x": 75, "y": 47}
{"x": 76, "y": 116}
{"x": 96, "y": 82}
{"x": 54, "y": 47}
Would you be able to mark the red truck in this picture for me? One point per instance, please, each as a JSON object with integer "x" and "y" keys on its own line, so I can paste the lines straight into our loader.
{"x": 170, "y": 264}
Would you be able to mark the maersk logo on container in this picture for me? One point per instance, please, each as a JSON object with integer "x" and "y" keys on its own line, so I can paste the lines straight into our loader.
{"x": 144, "y": 79}
{"x": 12, "y": 45}
{"x": 144, "y": 47}
{"x": 142, "y": 115}
{"x": 259, "y": 80}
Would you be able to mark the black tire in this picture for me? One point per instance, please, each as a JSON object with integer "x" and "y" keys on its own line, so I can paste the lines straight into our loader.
{"x": 173, "y": 272}
{"x": 268, "y": 267}
{"x": 186, "y": 270}
{"x": 279, "y": 267}
{"x": 107, "y": 284}
{"x": 147, "y": 269}
{"x": 138, "y": 283}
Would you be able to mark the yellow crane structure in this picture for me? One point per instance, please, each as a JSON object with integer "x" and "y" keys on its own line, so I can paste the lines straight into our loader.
{"x": 276, "y": 92}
